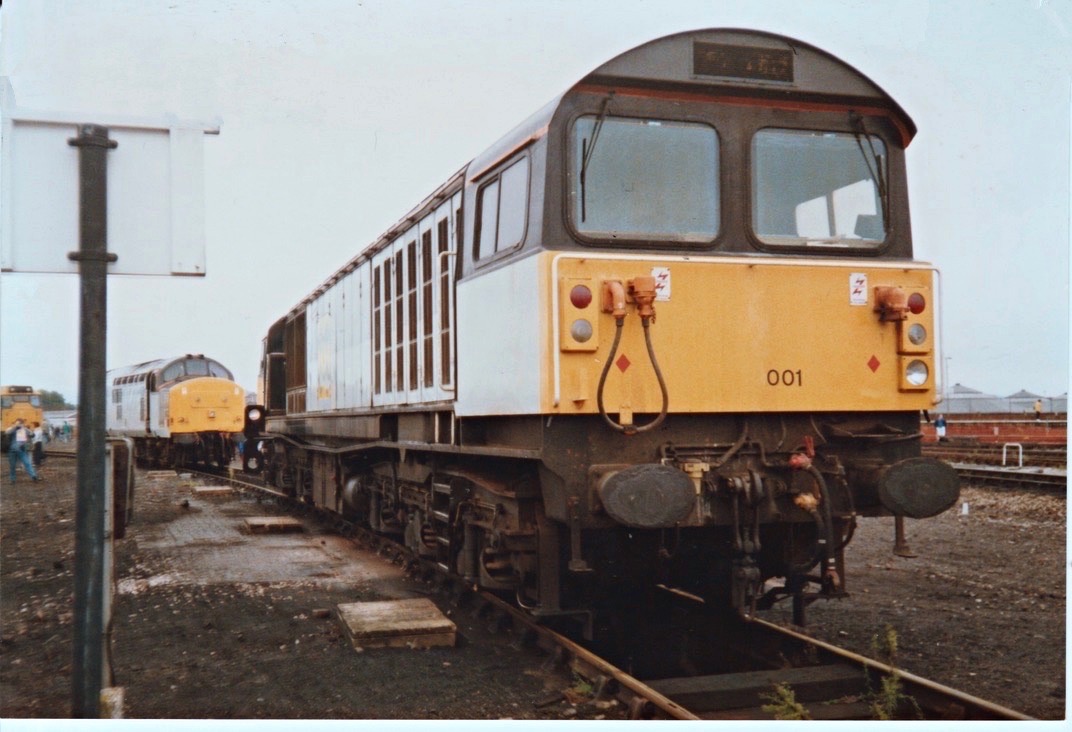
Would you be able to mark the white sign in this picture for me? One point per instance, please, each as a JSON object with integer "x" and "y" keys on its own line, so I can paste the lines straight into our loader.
{"x": 156, "y": 196}
{"x": 662, "y": 283}
{"x": 858, "y": 288}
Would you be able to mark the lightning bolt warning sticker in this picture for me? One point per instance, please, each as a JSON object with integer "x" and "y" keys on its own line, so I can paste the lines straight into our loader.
{"x": 662, "y": 283}
{"x": 858, "y": 288}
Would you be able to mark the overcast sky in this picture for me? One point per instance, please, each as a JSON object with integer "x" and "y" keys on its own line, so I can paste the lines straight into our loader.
{"x": 338, "y": 116}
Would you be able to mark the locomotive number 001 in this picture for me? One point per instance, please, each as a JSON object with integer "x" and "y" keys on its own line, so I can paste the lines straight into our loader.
{"x": 785, "y": 378}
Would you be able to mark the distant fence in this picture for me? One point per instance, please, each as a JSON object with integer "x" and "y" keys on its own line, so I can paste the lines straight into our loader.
{"x": 1001, "y": 427}
{"x": 963, "y": 405}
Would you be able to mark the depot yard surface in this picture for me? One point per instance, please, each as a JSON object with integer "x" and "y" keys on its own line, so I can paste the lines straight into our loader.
{"x": 212, "y": 622}
{"x": 981, "y": 608}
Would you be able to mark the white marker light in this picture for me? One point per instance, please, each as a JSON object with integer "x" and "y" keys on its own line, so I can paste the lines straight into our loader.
{"x": 916, "y": 373}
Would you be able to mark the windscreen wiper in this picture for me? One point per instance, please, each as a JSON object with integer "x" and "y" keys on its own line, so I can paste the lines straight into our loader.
{"x": 588, "y": 148}
{"x": 878, "y": 175}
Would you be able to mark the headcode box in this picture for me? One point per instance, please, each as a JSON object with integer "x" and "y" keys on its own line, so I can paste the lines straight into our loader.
{"x": 156, "y": 211}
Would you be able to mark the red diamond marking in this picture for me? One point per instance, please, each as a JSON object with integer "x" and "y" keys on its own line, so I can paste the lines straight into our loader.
{"x": 873, "y": 364}
{"x": 623, "y": 363}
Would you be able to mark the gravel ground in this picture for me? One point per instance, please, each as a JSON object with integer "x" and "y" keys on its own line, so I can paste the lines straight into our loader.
{"x": 227, "y": 650}
{"x": 982, "y": 609}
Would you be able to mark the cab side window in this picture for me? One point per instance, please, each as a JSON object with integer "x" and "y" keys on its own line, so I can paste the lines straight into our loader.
{"x": 173, "y": 371}
{"x": 502, "y": 208}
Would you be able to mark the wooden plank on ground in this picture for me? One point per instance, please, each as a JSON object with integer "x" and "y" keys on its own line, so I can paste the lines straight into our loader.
{"x": 415, "y": 623}
{"x": 273, "y": 524}
{"x": 212, "y": 490}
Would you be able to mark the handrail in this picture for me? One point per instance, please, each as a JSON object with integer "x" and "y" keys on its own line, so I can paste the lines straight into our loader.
{"x": 1006, "y": 446}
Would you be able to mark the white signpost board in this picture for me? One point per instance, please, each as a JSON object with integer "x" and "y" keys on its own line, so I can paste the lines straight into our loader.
{"x": 95, "y": 195}
{"x": 156, "y": 211}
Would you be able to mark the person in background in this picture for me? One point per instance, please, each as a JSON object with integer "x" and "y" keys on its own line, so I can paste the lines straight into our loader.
{"x": 21, "y": 437}
{"x": 939, "y": 427}
{"x": 66, "y": 431}
{"x": 39, "y": 439}
{"x": 1038, "y": 409}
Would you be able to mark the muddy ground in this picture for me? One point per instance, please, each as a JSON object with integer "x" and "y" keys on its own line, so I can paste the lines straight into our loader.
{"x": 981, "y": 608}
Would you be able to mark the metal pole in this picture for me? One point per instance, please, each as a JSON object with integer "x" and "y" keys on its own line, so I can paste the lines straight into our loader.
{"x": 93, "y": 144}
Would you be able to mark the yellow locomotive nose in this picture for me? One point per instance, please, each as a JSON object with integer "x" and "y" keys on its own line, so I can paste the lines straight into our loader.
{"x": 207, "y": 404}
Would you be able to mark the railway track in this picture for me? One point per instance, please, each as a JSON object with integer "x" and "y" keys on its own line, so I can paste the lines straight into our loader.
{"x": 825, "y": 681}
{"x": 835, "y": 684}
{"x": 1009, "y": 454}
{"x": 1038, "y": 466}
{"x": 1052, "y": 480}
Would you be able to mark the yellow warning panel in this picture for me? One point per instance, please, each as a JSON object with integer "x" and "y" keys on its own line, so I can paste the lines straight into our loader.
{"x": 415, "y": 623}
{"x": 739, "y": 334}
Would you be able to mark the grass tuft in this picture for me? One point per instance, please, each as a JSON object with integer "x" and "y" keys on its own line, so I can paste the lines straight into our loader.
{"x": 783, "y": 704}
{"x": 890, "y": 698}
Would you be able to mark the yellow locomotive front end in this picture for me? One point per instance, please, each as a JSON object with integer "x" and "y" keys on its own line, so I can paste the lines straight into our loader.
{"x": 205, "y": 404}
{"x": 770, "y": 399}
{"x": 740, "y": 335}
{"x": 18, "y": 402}
{"x": 749, "y": 371}
{"x": 202, "y": 415}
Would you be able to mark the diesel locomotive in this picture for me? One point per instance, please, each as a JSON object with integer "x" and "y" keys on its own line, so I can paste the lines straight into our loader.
{"x": 183, "y": 410}
{"x": 668, "y": 332}
{"x": 18, "y": 402}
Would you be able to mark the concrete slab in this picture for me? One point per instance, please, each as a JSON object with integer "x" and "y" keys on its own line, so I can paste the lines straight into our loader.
{"x": 211, "y": 544}
{"x": 415, "y": 623}
{"x": 273, "y": 525}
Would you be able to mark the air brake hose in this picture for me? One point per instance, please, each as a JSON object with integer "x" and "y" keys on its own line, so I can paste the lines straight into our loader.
{"x": 827, "y": 518}
{"x": 618, "y": 323}
{"x": 817, "y": 554}
{"x": 631, "y": 429}
{"x": 824, "y": 541}
{"x": 658, "y": 375}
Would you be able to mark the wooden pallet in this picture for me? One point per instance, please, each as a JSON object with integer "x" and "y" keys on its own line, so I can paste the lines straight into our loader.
{"x": 273, "y": 525}
{"x": 415, "y": 623}
{"x": 212, "y": 490}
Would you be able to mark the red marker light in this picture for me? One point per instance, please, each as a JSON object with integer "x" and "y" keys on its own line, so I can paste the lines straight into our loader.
{"x": 580, "y": 296}
{"x": 916, "y": 303}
